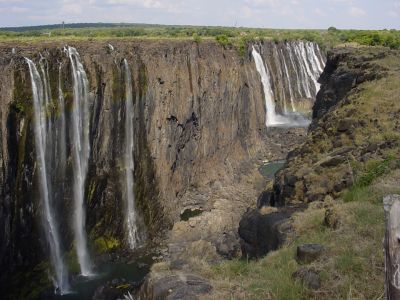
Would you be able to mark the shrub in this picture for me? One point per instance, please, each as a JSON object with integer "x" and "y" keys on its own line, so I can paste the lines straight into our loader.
{"x": 223, "y": 40}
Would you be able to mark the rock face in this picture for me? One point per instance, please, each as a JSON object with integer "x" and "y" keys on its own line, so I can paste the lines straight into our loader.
{"x": 174, "y": 287}
{"x": 307, "y": 253}
{"x": 261, "y": 234}
{"x": 199, "y": 120}
{"x": 309, "y": 277}
{"x": 345, "y": 123}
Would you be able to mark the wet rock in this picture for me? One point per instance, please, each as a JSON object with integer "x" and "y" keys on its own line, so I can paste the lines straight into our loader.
{"x": 309, "y": 277}
{"x": 114, "y": 289}
{"x": 290, "y": 180}
{"x": 261, "y": 234}
{"x": 307, "y": 253}
{"x": 266, "y": 198}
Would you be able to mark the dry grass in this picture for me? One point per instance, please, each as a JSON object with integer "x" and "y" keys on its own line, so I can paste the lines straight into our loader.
{"x": 351, "y": 268}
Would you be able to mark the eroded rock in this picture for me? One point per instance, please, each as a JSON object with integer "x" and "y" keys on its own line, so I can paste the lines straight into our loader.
{"x": 261, "y": 234}
{"x": 307, "y": 253}
{"x": 309, "y": 277}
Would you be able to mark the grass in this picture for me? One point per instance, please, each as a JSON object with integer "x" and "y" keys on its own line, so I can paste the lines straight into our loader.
{"x": 351, "y": 268}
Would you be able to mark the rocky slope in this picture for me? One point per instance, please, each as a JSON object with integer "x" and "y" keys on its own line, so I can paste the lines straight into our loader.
{"x": 329, "y": 192}
{"x": 355, "y": 125}
{"x": 199, "y": 133}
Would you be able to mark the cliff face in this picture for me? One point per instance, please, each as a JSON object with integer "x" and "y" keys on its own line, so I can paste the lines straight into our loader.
{"x": 199, "y": 115}
{"x": 354, "y": 128}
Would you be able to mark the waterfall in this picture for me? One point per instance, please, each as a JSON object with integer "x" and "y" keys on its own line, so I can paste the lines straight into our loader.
{"x": 294, "y": 66}
{"x": 41, "y": 98}
{"x": 280, "y": 77}
{"x": 80, "y": 156}
{"x": 131, "y": 215}
{"x": 315, "y": 61}
{"x": 271, "y": 117}
{"x": 61, "y": 129}
{"x": 310, "y": 73}
{"x": 303, "y": 72}
{"x": 288, "y": 81}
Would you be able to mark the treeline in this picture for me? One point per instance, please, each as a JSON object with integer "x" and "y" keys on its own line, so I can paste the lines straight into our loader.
{"x": 224, "y": 35}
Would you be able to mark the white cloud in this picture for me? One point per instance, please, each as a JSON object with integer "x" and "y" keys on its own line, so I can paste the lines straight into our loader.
{"x": 356, "y": 12}
{"x": 72, "y": 8}
{"x": 319, "y": 12}
{"x": 16, "y": 9}
{"x": 260, "y": 3}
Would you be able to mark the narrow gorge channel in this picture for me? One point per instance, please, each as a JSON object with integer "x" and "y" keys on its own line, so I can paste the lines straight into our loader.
{"x": 106, "y": 145}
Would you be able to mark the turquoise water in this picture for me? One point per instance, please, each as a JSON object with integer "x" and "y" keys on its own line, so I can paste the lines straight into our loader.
{"x": 127, "y": 274}
{"x": 269, "y": 169}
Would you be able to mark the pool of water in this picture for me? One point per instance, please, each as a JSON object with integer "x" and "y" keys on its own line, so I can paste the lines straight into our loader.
{"x": 268, "y": 170}
{"x": 121, "y": 277}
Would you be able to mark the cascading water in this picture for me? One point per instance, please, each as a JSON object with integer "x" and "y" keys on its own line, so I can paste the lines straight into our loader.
{"x": 310, "y": 73}
{"x": 272, "y": 118}
{"x": 80, "y": 156}
{"x": 289, "y": 49}
{"x": 303, "y": 71}
{"x": 41, "y": 97}
{"x": 61, "y": 129}
{"x": 288, "y": 81}
{"x": 314, "y": 59}
{"x": 131, "y": 215}
{"x": 280, "y": 77}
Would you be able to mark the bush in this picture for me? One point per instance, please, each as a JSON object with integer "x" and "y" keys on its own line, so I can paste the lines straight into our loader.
{"x": 223, "y": 40}
{"x": 196, "y": 38}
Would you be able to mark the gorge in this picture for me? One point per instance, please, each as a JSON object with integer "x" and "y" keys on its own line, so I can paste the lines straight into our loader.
{"x": 103, "y": 148}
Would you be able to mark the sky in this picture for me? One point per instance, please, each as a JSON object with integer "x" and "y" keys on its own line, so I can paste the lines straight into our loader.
{"x": 343, "y": 14}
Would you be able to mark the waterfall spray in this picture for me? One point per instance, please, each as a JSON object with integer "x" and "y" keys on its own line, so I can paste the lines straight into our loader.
{"x": 80, "y": 156}
{"x": 131, "y": 215}
{"x": 40, "y": 100}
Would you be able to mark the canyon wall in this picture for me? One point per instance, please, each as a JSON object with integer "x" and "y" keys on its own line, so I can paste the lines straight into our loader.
{"x": 199, "y": 114}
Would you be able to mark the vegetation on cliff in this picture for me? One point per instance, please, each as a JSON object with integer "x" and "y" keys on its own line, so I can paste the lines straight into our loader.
{"x": 225, "y": 35}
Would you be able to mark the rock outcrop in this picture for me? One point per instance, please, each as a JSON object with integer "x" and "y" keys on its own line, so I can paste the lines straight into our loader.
{"x": 351, "y": 125}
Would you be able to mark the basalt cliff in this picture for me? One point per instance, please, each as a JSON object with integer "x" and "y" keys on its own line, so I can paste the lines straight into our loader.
{"x": 189, "y": 119}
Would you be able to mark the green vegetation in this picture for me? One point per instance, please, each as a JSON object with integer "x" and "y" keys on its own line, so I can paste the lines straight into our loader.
{"x": 223, "y": 40}
{"x": 30, "y": 284}
{"x": 351, "y": 268}
{"x": 106, "y": 243}
{"x": 224, "y": 35}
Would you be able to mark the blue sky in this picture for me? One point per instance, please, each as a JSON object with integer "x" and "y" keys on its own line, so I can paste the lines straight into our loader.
{"x": 358, "y": 14}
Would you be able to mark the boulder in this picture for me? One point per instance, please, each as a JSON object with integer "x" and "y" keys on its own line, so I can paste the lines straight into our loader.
{"x": 262, "y": 233}
{"x": 227, "y": 245}
{"x": 307, "y": 253}
{"x": 345, "y": 125}
{"x": 175, "y": 286}
{"x": 309, "y": 277}
{"x": 333, "y": 161}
